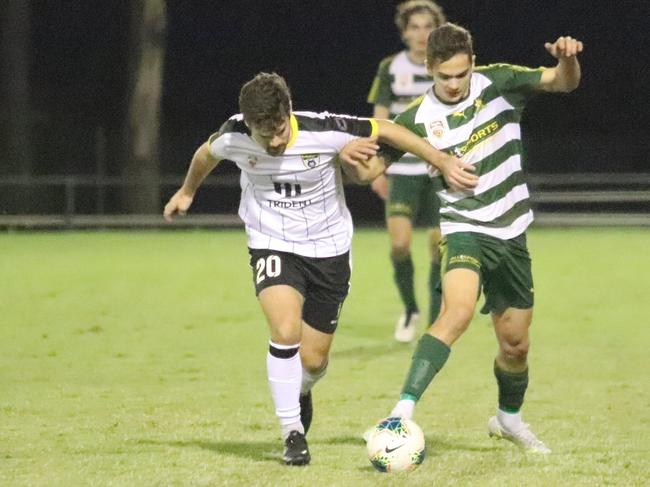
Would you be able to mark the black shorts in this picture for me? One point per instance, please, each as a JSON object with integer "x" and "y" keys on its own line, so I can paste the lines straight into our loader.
{"x": 323, "y": 282}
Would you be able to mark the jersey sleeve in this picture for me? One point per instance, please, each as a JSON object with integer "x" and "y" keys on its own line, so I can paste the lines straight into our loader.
{"x": 517, "y": 83}
{"x": 380, "y": 91}
{"x": 217, "y": 142}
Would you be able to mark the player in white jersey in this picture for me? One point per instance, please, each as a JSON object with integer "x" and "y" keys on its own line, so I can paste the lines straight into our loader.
{"x": 409, "y": 193}
{"x": 475, "y": 114}
{"x": 299, "y": 228}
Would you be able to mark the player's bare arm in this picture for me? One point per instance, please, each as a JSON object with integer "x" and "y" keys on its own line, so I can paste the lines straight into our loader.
{"x": 202, "y": 163}
{"x": 457, "y": 173}
{"x": 564, "y": 77}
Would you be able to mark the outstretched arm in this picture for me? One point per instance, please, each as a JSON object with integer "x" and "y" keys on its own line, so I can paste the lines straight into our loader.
{"x": 564, "y": 77}
{"x": 457, "y": 173}
{"x": 202, "y": 163}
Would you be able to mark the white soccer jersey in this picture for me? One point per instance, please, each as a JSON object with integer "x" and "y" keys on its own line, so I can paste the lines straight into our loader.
{"x": 398, "y": 82}
{"x": 294, "y": 202}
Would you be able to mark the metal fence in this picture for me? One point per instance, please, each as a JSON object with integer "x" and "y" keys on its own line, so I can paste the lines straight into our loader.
{"x": 597, "y": 199}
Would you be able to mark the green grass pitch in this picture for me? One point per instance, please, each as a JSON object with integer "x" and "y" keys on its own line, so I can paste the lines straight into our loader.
{"x": 139, "y": 359}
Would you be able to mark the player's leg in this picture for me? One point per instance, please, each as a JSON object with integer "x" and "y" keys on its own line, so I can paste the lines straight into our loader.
{"x": 329, "y": 282}
{"x": 511, "y": 372}
{"x": 435, "y": 292}
{"x": 460, "y": 289}
{"x": 401, "y": 208}
{"x": 509, "y": 298}
{"x": 278, "y": 284}
{"x": 430, "y": 209}
{"x": 314, "y": 354}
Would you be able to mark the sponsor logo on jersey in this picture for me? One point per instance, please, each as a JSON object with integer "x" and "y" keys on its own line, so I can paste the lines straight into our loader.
{"x": 252, "y": 160}
{"x": 289, "y": 204}
{"x": 476, "y": 137}
{"x": 311, "y": 160}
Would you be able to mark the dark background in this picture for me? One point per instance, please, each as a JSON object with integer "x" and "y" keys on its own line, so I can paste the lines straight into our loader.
{"x": 329, "y": 51}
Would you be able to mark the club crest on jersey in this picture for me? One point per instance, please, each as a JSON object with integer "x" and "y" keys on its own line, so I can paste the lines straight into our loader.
{"x": 252, "y": 160}
{"x": 310, "y": 160}
{"x": 436, "y": 128}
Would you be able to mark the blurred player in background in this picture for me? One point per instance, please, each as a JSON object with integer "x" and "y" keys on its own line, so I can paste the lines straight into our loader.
{"x": 475, "y": 114}
{"x": 299, "y": 228}
{"x": 409, "y": 192}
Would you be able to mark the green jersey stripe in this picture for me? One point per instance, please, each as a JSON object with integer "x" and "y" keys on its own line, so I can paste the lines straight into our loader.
{"x": 506, "y": 219}
{"x": 498, "y": 157}
{"x": 488, "y": 197}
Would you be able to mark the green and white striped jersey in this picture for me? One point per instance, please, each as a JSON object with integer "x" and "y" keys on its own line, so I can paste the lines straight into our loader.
{"x": 483, "y": 130}
{"x": 397, "y": 83}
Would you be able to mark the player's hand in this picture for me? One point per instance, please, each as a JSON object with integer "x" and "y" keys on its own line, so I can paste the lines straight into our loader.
{"x": 380, "y": 187}
{"x": 358, "y": 151}
{"x": 458, "y": 174}
{"x": 178, "y": 204}
{"x": 564, "y": 47}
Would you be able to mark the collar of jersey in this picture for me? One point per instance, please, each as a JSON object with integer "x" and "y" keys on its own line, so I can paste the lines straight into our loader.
{"x": 294, "y": 130}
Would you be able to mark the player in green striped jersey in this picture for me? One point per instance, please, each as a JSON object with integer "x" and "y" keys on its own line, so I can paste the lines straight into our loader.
{"x": 474, "y": 113}
{"x": 409, "y": 192}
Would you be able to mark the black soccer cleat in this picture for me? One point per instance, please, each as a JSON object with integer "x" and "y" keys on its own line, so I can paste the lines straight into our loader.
{"x": 306, "y": 411}
{"x": 296, "y": 451}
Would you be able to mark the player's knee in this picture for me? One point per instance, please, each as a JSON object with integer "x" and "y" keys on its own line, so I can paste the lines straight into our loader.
{"x": 313, "y": 362}
{"x": 400, "y": 249}
{"x": 285, "y": 334}
{"x": 515, "y": 350}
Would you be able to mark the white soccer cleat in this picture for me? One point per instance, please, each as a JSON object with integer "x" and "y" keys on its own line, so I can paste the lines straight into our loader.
{"x": 523, "y": 437}
{"x": 407, "y": 326}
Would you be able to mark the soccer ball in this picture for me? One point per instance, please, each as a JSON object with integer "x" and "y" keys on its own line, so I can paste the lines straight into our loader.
{"x": 396, "y": 444}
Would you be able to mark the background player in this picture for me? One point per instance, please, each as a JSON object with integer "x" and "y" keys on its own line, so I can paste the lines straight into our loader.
{"x": 409, "y": 192}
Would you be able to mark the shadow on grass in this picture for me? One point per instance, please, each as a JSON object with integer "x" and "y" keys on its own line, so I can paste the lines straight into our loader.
{"x": 259, "y": 451}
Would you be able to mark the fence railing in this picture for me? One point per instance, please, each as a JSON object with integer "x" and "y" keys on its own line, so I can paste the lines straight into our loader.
{"x": 85, "y": 201}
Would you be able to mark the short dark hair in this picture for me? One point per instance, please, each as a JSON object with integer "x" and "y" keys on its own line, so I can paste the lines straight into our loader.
{"x": 448, "y": 40}
{"x": 265, "y": 100}
{"x": 404, "y": 11}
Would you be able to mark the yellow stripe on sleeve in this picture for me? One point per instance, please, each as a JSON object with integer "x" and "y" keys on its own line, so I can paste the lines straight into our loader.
{"x": 374, "y": 127}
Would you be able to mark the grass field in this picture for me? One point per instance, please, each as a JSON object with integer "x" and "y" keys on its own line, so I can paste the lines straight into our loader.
{"x": 139, "y": 359}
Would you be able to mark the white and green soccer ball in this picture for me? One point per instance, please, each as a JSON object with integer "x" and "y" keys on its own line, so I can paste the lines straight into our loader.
{"x": 396, "y": 445}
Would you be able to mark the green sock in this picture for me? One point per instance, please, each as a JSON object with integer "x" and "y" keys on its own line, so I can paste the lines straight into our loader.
{"x": 435, "y": 295}
{"x": 512, "y": 388}
{"x": 403, "y": 275}
{"x": 429, "y": 357}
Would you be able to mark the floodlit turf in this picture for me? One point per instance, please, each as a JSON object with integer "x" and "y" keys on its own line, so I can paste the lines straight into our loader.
{"x": 139, "y": 359}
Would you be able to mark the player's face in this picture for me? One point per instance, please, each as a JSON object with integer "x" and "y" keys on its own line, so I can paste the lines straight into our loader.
{"x": 417, "y": 32}
{"x": 273, "y": 139}
{"x": 451, "y": 78}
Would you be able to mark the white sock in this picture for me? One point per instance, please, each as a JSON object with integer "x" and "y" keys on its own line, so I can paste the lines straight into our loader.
{"x": 310, "y": 378}
{"x": 511, "y": 421}
{"x": 285, "y": 376}
{"x": 404, "y": 409}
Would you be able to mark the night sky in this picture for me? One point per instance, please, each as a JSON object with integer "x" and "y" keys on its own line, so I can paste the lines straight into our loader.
{"x": 329, "y": 51}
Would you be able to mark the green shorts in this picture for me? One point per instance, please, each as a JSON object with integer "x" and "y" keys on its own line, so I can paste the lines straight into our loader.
{"x": 504, "y": 267}
{"x": 414, "y": 197}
